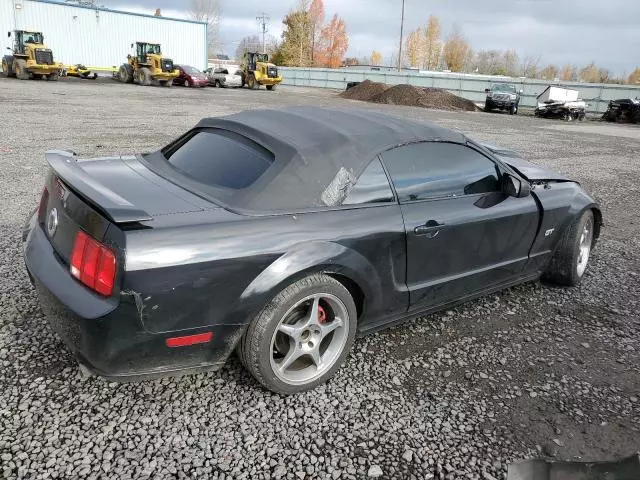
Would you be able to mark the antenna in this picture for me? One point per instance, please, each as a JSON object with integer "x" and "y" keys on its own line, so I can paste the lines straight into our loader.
{"x": 263, "y": 20}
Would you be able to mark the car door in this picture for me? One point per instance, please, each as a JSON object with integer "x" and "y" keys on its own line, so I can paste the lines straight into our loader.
{"x": 463, "y": 234}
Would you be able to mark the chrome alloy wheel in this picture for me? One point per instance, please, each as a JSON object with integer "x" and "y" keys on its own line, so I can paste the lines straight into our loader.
{"x": 309, "y": 339}
{"x": 586, "y": 241}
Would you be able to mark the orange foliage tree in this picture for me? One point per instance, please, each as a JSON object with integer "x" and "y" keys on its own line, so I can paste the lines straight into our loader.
{"x": 634, "y": 77}
{"x": 333, "y": 44}
{"x": 316, "y": 16}
{"x": 376, "y": 58}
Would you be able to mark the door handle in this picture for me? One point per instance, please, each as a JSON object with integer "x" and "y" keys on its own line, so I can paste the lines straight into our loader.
{"x": 431, "y": 229}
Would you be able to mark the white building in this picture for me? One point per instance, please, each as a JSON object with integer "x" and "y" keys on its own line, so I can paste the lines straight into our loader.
{"x": 101, "y": 37}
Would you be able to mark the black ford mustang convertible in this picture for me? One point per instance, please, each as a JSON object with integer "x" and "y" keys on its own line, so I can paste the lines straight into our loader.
{"x": 282, "y": 234}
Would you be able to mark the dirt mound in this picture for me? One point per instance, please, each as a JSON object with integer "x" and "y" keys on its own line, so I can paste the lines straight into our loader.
{"x": 411, "y": 96}
{"x": 408, "y": 95}
{"x": 364, "y": 91}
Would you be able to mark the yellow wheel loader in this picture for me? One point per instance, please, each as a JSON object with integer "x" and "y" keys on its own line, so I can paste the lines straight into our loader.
{"x": 256, "y": 71}
{"x": 148, "y": 66}
{"x": 30, "y": 58}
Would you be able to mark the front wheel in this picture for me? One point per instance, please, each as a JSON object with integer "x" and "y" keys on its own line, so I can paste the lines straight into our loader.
{"x": 514, "y": 109}
{"x": 302, "y": 337}
{"x": 271, "y": 87}
{"x": 570, "y": 259}
{"x": 487, "y": 107}
{"x": 187, "y": 83}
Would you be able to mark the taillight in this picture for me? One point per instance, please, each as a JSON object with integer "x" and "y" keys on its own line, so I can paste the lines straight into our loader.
{"x": 93, "y": 264}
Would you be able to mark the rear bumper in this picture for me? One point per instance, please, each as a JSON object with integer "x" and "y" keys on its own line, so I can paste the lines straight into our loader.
{"x": 107, "y": 335}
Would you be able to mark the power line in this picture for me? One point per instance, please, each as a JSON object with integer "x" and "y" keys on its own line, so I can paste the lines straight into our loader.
{"x": 263, "y": 20}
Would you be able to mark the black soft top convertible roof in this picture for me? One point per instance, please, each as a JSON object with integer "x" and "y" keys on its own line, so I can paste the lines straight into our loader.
{"x": 319, "y": 152}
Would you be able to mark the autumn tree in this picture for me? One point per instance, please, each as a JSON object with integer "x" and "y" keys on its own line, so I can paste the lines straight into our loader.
{"x": 376, "y": 58}
{"x": 333, "y": 44}
{"x": 550, "y": 72}
{"x": 413, "y": 48}
{"x": 456, "y": 50}
{"x": 295, "y": 49}
{"x": 208, "y": 11}
{"x": 592, "y": 74}
{"x": 529, "y": 66}
{"x": 432, "y": 44}
{"x": 569, "y": 73}
{"x": 316, "y": 17}
{"x": 634, "y": 77}
{"x": 251, "y": 43}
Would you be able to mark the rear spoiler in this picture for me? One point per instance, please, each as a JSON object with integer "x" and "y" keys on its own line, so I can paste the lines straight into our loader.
{"x": 115, "y": 208}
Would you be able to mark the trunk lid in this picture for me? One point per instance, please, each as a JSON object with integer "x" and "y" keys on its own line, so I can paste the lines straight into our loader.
{"x": 92, "y": 195}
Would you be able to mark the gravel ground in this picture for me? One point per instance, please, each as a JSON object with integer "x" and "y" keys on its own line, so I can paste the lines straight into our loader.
{"x": 532, "y": 371}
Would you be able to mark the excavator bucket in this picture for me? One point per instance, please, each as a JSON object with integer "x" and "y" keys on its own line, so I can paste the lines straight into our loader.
{"x": 625, "y": 469}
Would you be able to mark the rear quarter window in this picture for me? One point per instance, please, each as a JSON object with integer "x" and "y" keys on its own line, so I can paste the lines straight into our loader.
{"x": 219, "y": 159}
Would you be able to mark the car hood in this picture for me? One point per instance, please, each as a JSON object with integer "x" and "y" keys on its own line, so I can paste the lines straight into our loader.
{"x": 531, "y": 171}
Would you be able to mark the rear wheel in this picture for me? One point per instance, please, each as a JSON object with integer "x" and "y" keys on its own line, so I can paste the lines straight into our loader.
{"x": 125, "y": 73}
{"x": 6, "y": 69}
{"x": 302, "y": 337}
{"x": 20, "y": 68}
{"x": 571, "y": 256}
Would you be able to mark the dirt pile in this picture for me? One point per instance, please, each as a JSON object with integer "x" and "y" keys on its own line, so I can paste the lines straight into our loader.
{"x": 364, "y": 91}
{"x": 408, "y": 95}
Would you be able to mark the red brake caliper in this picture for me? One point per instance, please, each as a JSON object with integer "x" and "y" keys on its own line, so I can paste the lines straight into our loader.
{"x": 322, "y": 315}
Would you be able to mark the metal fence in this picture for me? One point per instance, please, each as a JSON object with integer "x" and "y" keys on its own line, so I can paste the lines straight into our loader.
{"x": 468, "y": 86}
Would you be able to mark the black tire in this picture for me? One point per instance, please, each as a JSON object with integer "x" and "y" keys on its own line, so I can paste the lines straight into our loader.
{"x": 271, "y": 87}
{"x": 251, "y": 82}
{"x": 125, "y": 73}
{"x": 7, "y": 61}
{"x": 166, "y": 83}
{"x": 513, "y": 110}
{"x": 187, "y": 83}
{"x": 20, "y": 68}
{"x": 144, "y": 77}
{"x": 53, "y": 77}
{"x": 563, "y": 267}
{"x": 254, "y": 348}
{"x": 217, "y": 84}
{"x": 487, "y": 107}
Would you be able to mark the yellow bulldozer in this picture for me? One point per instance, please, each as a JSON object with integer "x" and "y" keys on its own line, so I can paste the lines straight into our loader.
{"x": 148, "y": 66}
{"x": 30, "y": 58}
{"x": 256, "y": 71}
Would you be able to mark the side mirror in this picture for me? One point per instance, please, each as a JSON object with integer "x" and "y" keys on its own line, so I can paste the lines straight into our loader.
{"x": 486, "y": 90}
{"x": 132, "y": 45}
{"x": 8, "y": 34}
{"x": 8, "y": 48}
{"x": 514, "y": 186}
{"x": 521, "y": 91}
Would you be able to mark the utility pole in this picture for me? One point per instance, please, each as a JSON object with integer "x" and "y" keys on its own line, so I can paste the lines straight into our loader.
{"x": 401, "y": 35}
{"x": 263, "y": 20}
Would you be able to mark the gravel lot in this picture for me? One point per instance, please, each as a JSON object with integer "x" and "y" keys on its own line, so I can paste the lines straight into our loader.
{"x": 533, "y": 371}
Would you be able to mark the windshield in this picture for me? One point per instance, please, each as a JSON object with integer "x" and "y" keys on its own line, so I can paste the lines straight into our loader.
{"x": 191, "y": 70}
{"x": 152, "y": 49}
{"x": 32, "y": 37}
{"x": 503, "y": 87}
{"x": 262, "y": 57}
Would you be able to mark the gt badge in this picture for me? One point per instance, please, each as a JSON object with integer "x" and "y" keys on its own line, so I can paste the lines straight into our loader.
{"x": 549, "y": 232}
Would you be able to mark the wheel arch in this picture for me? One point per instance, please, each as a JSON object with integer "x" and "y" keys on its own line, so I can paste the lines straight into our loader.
{"x": 341, "y": 263}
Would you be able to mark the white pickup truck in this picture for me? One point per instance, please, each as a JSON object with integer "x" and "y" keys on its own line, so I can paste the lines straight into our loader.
{"x": 220, "y": 77}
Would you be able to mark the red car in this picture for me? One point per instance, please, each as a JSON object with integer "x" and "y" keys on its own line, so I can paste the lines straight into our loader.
{"x": 190, "y": 77}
